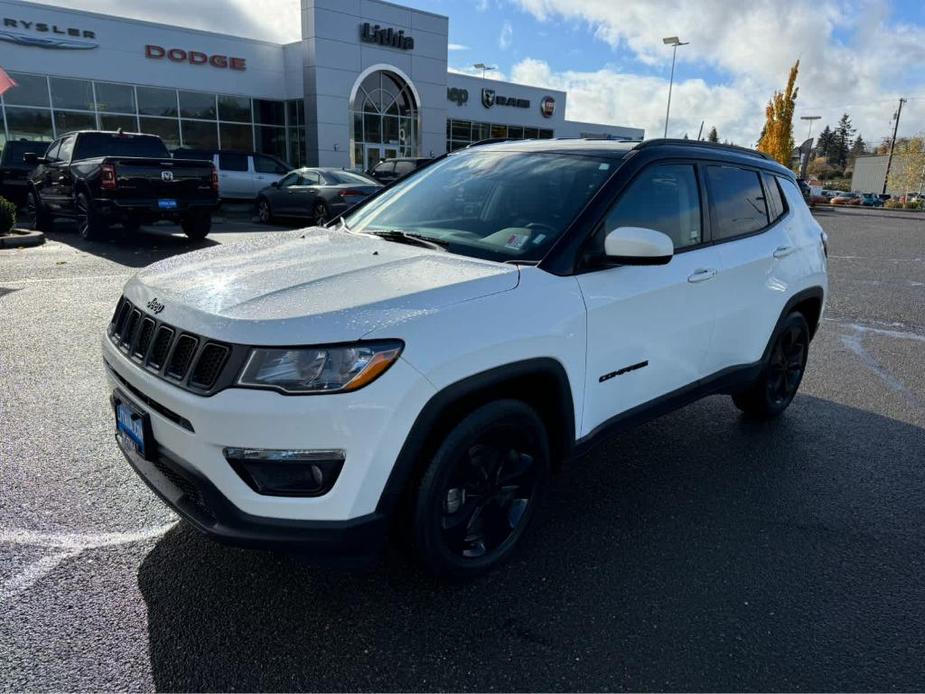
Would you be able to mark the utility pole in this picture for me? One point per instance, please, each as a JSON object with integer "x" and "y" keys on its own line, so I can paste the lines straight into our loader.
{"x": 889, "y": 161}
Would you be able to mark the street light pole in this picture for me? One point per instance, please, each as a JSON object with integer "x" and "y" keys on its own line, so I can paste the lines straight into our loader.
{"x": 674, "y": 42}
{"x": 810, "y": 119}
{"x": 483, "y": 67}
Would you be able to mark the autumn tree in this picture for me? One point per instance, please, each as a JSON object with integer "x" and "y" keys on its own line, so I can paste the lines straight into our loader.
{"x": 908, "y": 165}
{"x": 777, "y": 138}
{"x": 713, "y": 136}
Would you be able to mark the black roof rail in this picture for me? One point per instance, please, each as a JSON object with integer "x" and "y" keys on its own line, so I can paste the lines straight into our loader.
{"x": 488, "y": 141}
{"x": 701, "y": 143}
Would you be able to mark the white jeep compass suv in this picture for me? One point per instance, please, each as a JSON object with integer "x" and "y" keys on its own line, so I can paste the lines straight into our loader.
{"x": 419, "y": 367}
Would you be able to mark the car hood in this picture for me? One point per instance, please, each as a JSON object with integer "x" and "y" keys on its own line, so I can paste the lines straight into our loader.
{"x": 310, "y": 286}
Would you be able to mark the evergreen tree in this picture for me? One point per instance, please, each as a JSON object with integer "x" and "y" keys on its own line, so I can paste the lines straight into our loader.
{"x": 713, "y": 136}
{"x": 859, "y": 147}
{"x": 824, "y": 144}
{"x": 842, "y": 142}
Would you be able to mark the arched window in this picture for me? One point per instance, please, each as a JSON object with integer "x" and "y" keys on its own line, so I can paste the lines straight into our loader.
{"x": 385, "y": 119}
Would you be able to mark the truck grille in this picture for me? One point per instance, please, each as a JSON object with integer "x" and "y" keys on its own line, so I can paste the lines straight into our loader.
{"x": 191, "y": 361}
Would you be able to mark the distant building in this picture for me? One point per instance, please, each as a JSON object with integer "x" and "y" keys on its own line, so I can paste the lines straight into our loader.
{"x": 870, "y": 170}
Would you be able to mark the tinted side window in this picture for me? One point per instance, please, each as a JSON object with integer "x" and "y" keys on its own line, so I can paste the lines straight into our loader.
{"x": 404, "y": 167}
{"x": 775, "y": 201}
{"x": 232, "y": 162}
{"x": 664, "y": 197}
{"x": 290, "y": 180}
{"x": 738, "y": 201}
{"x": 67, "y": 146}
{"x": 385, "y": 167}
{"x": 51, "y": 154}
{"x": 263, "y": 164}
{"x": 311, "y": 178}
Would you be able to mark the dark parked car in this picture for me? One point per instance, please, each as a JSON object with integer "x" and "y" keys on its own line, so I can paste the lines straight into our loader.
{"x": 102, "y": 178}
{"x": 14, "y": 171}
{"x": 871, "y": 200}
{"x": 314, "y": 194}
{"x": 389, "y": 170}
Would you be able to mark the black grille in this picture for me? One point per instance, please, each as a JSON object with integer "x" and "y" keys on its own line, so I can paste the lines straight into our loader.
{"x": 145, "y": 333}
{"x": 187, "y": 488}
{"x": 209, "y": 365}
{"x": 182, "y": 355}
{"x": 130, "y": 324}
{"x": 190, "y": 361}
{"x": 161, "y": 347}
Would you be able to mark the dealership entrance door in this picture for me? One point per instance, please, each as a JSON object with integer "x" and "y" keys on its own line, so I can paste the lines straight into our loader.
{"x": 384, "y": 116}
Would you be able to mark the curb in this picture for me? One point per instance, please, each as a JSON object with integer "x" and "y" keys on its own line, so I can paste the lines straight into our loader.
{"x": 22, "y": 238}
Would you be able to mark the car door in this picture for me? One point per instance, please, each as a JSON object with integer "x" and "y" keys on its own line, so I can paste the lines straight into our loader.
{"x": 281, "y": 196}
{"x": 235, "y": 177}
{"x": 749, "y": 223}
{"x": 41, "y": 175}
{"x": 304, "y": 192}
{"x": 649, "y": 327}
{"x": 62, "y": 179}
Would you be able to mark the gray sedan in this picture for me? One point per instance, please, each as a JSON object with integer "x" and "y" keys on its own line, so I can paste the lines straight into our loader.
{"x": 316, "y": 194}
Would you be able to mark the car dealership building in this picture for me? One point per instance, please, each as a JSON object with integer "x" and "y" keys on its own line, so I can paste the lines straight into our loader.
{"x": 367, "y": 81}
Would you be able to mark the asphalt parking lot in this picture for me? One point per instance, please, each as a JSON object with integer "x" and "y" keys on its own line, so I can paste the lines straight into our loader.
{"x": 701, "y": 551}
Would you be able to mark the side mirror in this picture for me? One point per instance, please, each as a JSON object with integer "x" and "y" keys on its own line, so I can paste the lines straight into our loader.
{"x": 638, "y": 246}
{"x": 32, "y": 158}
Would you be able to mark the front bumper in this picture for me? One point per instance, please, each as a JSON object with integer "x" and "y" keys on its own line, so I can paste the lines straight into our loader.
{"x": 192, "y": 475}
{"x": 199, "y": 502}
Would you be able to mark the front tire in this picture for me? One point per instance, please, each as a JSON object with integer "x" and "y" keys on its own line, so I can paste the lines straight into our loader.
{"x": 39, "y": 219}
{"x": 320, "y": 213}
{"x": 196, "y": 225}
{"x": 90, "y": 225}
{"x": 476, "y": 499}
{"x": 777, "y": 385}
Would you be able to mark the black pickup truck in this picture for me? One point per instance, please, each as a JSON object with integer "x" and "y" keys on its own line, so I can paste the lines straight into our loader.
{"x": 104, "y": 178}
{"x": 14, "y": 172}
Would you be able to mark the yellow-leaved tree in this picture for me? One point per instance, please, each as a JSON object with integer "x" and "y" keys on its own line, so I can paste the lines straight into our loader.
{"x": 777, "y": 136}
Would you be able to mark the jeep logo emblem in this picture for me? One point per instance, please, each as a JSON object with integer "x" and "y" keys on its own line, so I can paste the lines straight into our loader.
{"x": 166, "y": 175}
{"x": 154, "y": 305}
{"x": 457, "y": 96}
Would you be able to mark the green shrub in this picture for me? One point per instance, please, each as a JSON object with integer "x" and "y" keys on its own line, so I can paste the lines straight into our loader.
{"x": 912, "y": 205}
{"x": 893, "y": 204}
{"x": 7, "y": 215}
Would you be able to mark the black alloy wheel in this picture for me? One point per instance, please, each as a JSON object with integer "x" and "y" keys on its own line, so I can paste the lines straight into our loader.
{"x": 779, "y": 381}
{"x": 36, "y": 216}
{"x": 319, "y": 213}
{"x": 88, "y": 224}
{"x": 264, "y": 214}
{"x": 480, "y": 493}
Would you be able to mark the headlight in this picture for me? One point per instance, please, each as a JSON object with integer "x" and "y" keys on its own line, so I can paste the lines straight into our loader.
{"x": 337, "y": 368}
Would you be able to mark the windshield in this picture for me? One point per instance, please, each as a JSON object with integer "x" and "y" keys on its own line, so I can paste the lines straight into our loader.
{"x": 489, "y": 204}
{"x": 114, "y": 145}
{"x": 350, "y": 177}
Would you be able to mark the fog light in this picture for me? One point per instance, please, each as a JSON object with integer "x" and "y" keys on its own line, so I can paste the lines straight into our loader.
{"x": 286, "y": 472}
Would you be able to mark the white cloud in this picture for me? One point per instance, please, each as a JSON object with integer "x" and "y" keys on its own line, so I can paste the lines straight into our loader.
{"x": 481, "y": 5}
{"x": 752, "y": 46}
{"x": 507, "y": 32}
{"x": 457, "y": 47}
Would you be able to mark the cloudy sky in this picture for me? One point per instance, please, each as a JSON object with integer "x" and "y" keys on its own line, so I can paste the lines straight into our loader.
{"x": 857, "y": 56}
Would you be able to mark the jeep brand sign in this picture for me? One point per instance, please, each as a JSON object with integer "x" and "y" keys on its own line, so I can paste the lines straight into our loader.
{"x": 61, "y": 36}
{"x": 179, "y": 55}
{"x": 386, "y": 37}
{"x": 547, "y": 106}
{"x": 457, "y": 96}
{"x": 489, "y": 99}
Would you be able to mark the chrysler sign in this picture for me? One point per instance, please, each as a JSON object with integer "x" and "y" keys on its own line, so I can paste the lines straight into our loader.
{"x": 44, "y": 35}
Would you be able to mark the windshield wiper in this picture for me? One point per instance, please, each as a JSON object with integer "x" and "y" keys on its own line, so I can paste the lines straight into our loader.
{"x": 410, "y": 238}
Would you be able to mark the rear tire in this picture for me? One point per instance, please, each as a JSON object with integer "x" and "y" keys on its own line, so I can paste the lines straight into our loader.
{"x": 320, "y": 213}
{"x": 90, "y": 225}
{"x": 197, "y": 225}
{"x": 477, "y": 497}
{"x": 264, "y": 212}
{"x": 775, "y": 388}
{"x": 38, "y": 216}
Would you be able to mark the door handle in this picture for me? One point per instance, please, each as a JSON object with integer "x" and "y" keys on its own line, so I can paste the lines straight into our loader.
{"x": 783, "y": 251}
{"x": 702, "y": 275}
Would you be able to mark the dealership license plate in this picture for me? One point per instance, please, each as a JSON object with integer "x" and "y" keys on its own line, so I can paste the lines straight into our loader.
{"x": 130, "y": 427}
{"x": 167, "y": 204}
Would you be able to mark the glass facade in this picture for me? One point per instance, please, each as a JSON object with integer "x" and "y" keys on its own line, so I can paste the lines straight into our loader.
{"x": 384, "y": 118}
{"x": 460, "y": 133}
{"x": 42, "y": 108}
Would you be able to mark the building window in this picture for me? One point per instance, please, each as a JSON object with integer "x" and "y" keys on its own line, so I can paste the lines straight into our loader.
{"x": 199, "y": 134}
{"x": 269, "y": 112}
{"x": 271, "y": 140}
{"x": 236, "y": 136}
{"x": 72, "y": 94}
{"x": 110, "y": 121}
{"x": 384, "y": 114}
{"x": 197, "y": 105}
{"x": 234, "y": 108}
{"x": 68, "y": 121}
{"x": 168, "y": 129}
{"x": 29, "y": 124}
{"x": 153, "y": 101}
{"x": 115, "y": 98}
{"x": 30, "y": 90}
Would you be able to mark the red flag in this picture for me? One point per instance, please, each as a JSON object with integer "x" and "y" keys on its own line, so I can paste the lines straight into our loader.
{"x": 6, "y": 82}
